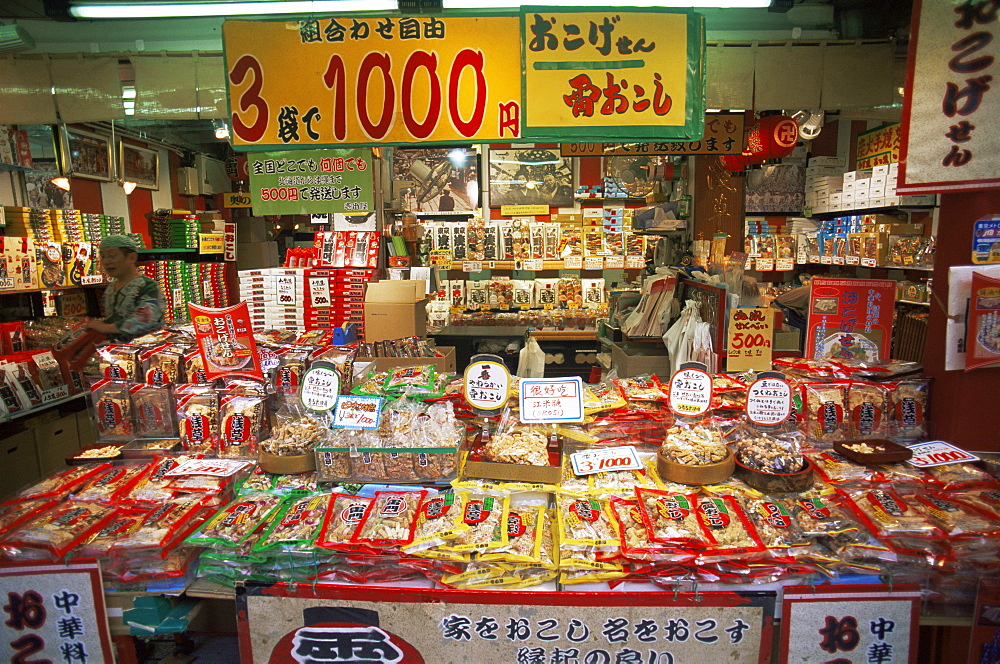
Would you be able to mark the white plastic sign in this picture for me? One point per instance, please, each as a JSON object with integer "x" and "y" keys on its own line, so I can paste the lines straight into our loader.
{"x": 605, "y": 460}
{"x": 551, "y": 399}
{"x": 573, "y": 263}
{"x": 320, "y": 387}
{"x": 487, "y": 383}
{"x": 769, "y": 401}
{"x": 355, "y": 412}
{"x": 690, "y": 391}
{"x": 319, "y": 292}
{"x": 593, "y": 263}
{"x": 214, "y": 467}
{"x": 938, "y": 453}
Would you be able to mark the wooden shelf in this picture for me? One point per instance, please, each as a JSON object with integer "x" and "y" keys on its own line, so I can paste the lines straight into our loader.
{"x": 564, "y": 335}
{"x": 864, "y": 210}
{"x": 52, "y": 289}
{"x": 546, "y": 265}
{"x": 920, "y": 304}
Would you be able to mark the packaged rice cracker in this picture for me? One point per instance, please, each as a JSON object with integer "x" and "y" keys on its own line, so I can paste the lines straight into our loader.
{"x": 390, "y": 519}
{"x": 825, "y": 411}
{"x": 233, "y": 524}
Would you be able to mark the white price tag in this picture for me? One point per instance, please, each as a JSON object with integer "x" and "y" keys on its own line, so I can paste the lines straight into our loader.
{"x": 814, "y": 258}
{"x": 486, "y": 384}
{"x": 765, "y": 264}
{"x": 614, "y": 263}
{"x": 214, "y": 467}
{"x": 7, "y": 283}
{"x": 319, "y": 292}
{"x": 319, "y": 219}
{"x": 784, "y": 264}
{"x": 748, "y": 265}
{"x": 533, "y": 264}
{"x": 938, "y": 453}
{"x": 635, "y": 262}
{"x": 355, "y": 412}
{"x": 472, "y": 266}
{"x": 91, "y": 279}
{"x": 826, "y": 259}
{"x": 178, "y": 296}
{"x": 853, "y": 260}
{"x": 285, "y": 287}
{"x": 690, "y": 392}
{"x": 593, "y": 263}
{"x": 769, "y": 401}
{"x": 551, "y": 399}
{"x": 588, "y": 462}
{"x": 838, "y": 260}
{"x": 573, "y": 263}
{"x": 868, "y": 262}
{"x": 320, "y": 388}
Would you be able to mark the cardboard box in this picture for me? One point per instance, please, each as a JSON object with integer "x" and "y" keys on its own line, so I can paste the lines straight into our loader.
{"x": 637, "y": 362}
{"x": 55, "y": 441}
{"x": 251, "y": 255}
{"x": 445, "y": 364}
{"x": 395, "y": 309}
{"x": 251, "y": 229}
{"x": 20, "y": 458}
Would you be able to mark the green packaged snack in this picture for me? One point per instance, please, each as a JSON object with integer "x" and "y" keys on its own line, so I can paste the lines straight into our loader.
{"x": 237, "y": 521}
{"x": 296, "y": 524}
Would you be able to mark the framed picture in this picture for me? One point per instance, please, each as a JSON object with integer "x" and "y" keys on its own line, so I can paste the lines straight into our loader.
{"x": 139, "y": 165}
{"x": 530, "y": 176}
{"x": 437, "y": 180}
{"x": 86, "y": 155}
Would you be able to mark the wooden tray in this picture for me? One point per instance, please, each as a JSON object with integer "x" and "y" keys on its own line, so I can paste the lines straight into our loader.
{"x": 886, "y": 451}
{"x": 697, "y": 475}
{"x": 775, "y": 482}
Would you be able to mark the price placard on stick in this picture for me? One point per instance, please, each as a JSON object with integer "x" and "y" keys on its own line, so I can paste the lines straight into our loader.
{"x": 938, "y": 453}
{"x": 357, "y": 412}
{"x": 487, "y": 383}
{"x": 607, "y": 459}
{"x": 690, "y": 390}
{"x": 769, "y": 400}
{"x": 748, "y": 343}
{"x": 320, "y": 387}
{"x": 551, "y": 399}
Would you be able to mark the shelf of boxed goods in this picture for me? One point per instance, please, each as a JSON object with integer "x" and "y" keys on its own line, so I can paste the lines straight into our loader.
{"x": 50, "y": 289}
{"x": 7, "y": 417}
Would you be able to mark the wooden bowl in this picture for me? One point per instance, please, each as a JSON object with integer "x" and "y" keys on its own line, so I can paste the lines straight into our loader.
{"x": 287, "y": 465}
{"x": 775, "y": 482}
{"x": 699, "y": 475}
{"x": 886, "y": 451}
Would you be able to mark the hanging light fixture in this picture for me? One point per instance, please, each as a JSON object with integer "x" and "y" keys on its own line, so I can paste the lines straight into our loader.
{"x": 127, "y": 186}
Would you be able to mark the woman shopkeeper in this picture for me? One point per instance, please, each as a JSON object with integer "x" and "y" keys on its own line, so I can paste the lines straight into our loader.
{"x": 133, "y": 305}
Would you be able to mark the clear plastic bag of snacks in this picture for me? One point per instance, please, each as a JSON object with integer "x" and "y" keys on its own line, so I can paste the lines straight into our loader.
{"x": 243, "y": 423}
{"x": 297, "y": 433}
{"x": 390, "y": 519}
{"x": 729, "y": 529}
{"x": 694, "y": 444}
{"x": 777, "y": 527}
{"x": 822, "y": 516}
{"x": 111, "y": 405}
{"x": 524, "y": 526}
{"x": 292, "y": 364}
{"x": 296, "y": 525}
{"x": 868, "y": 410}
{"x": 344, "y": 515}
{"x": 62, "y": 529}
{"x": 909, "y": 399}
{"x": 585, "y": 524}
{"x": 640, "y": 388}
{"x": 886, "y": 514}
{"x": 770, "y": 453}
{"x": 671, "y": 518}
{"x": 236, "y": 522}
{"x": 634, "y": 536}
{"x": 197, "y": 408}
{"x": 342, "y": 358}
{"x": 961, "y": 477}
{"x": 154, "y": 412}
{"x": 835, "y": 469}
{"x": 441, "y": 520}
{"x": 486, "y": 517}
{"x": 824, "y": 409}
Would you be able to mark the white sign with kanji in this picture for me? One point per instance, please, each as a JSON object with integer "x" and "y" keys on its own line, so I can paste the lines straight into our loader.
{"x": 551, "y": 399}
{"x": 54, "y": 613}
{"x": 938, "y": 453}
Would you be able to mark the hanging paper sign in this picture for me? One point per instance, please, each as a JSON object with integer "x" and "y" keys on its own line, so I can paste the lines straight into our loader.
{"x": 487, "y": 383}
{"x": 849, "y": 624}
{"x": 748, "y": 342}
{"x": 765, "y": 264}
{"x": 357, "y": 412}
{"x": 213, "y": 467}
{"x": 441, "y": 258}
{"x": 605, "y": 459}
{"x": 225, "y": 341}
{"x": 551, "y": 399}
{"x": 320, "y": 387}
{"x": 573, "y": 263}
{"x": 850, "y": 319}
{"x": 319, "y": 292}
{"x": 769, "y": 400}
{"x": 87, "y": 280}
{"x": 614, "y": 263}
{"x": 55, "y": 612}
{"x": 533, "y": 264}
{"x": 690, "y": 390}
{"x": 784, "y": 264}
{"x": 229, "y": 242}
{"x": 312, "y": 181}
{"x": 938, "y": 453}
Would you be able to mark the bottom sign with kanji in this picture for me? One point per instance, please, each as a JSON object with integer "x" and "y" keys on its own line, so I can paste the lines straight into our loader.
{"x": 53, "y": 613}
{"x": 308, "y": 623}
{"x": 851, "y": 624}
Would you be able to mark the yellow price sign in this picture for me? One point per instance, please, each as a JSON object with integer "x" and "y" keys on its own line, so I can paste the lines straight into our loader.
{"x": 211, "y": 243}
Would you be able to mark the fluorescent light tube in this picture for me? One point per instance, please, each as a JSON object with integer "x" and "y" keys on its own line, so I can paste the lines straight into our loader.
{"x": 170, "y": 10}
{"x": 694, "y": 4}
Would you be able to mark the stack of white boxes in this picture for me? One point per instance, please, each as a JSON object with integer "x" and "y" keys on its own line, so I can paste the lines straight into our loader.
{"x": 275, "y": 297}
{"x": 824, "y": 183}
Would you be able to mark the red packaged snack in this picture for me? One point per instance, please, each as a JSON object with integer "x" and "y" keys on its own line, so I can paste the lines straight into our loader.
{"x": 731, "y": 533}
{"x": 99, "y": 543}
{"x": 909, "y": 409}
{"x": 198, "y": 417}
{"x": 957, "y": 519}
{"x": 154, "y": 485}
{"x": 825, "y": 412}
{"x": 390, "y": 519}
{"x": 242, "y": 425}
{"x": 63, "y": 528}
{"x": 985, "y": 500}
{"x": 173, "y": 565}
{"x": 64, "y": 482}
{"x": 868, "y": 410}
{"x": 343, "y": 516}
{"x": 634, "y": 536}
{"x": 163, "y": 524}
{"x": 15, "y": 512}
{"x": 887, "y": 515}
{"x": 671, "y": 518}
{"x": 961, "y": 477}
{"x": 103, "y": 487}
{"x": 112, "y": 408}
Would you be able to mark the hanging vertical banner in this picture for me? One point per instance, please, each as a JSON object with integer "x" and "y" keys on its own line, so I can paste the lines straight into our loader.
{"x": 54, "y": 613}
{"x": 850, "y": 319}
{"x": 373, "y": 79}
{"x": 952, "y": 104}
{"x": 851, "y": 624}
{"x": 225, "y": 341}
{"x": 620, "y": 73}
{"x": 312, "y": 181}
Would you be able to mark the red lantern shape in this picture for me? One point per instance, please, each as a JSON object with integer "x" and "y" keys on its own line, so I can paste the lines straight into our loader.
{"x": 771, "y": 137}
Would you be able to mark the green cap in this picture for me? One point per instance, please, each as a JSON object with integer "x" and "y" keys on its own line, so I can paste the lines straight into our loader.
{"x": 120, "y": 241}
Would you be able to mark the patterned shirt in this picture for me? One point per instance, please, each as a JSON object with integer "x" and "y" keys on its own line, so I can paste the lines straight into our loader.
{"x": 136, "y": 308}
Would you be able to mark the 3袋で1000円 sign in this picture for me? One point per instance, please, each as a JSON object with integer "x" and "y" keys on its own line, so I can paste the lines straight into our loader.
{"x": 287, "y": 623}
